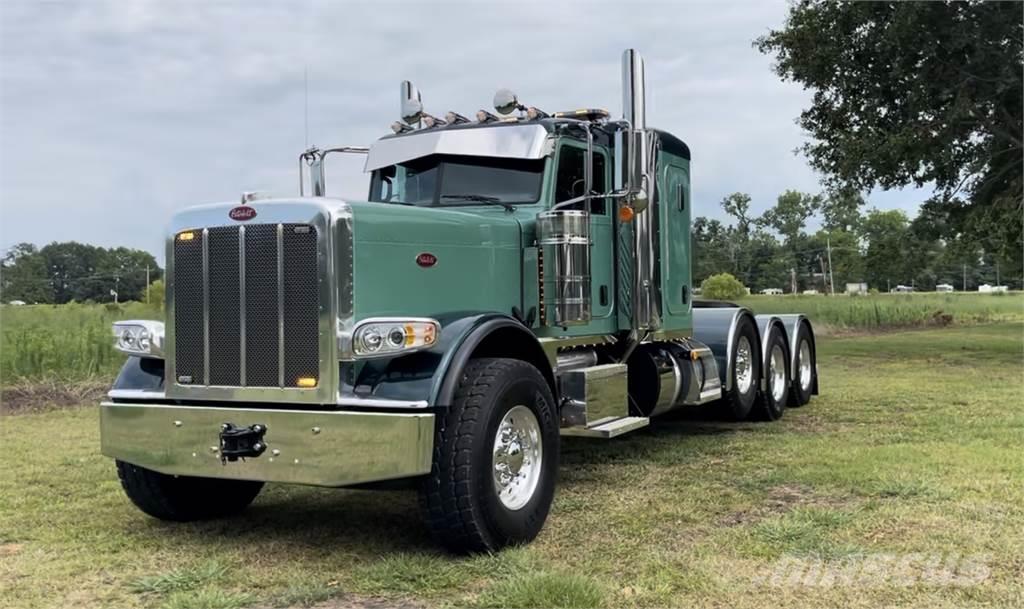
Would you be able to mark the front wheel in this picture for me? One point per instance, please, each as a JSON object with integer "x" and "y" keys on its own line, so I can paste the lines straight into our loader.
{"x": 185, "y": 498}
{"x": 495, "y": 459}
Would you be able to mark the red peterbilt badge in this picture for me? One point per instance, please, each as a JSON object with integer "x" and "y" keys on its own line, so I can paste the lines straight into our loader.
{"x": 242, "y": 213}
{"x": 426, "y": 259}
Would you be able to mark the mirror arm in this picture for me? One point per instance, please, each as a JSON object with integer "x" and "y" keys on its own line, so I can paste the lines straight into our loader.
{"x": 314, "y": 157}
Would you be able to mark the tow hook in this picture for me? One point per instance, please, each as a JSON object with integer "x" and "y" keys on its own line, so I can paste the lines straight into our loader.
{"x": 241, "y": 442}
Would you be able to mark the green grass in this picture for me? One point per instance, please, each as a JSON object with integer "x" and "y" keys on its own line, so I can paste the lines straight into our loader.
{"x": 886, "y": 311}
{"x": 66, "y": 342}
{"x": 914, "y": 447}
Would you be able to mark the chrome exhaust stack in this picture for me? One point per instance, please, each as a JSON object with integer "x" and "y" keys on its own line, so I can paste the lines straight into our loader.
{"x": 639, "y": 177}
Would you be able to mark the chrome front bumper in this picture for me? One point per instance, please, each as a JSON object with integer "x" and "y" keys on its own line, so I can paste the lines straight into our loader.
{"x": 322, "y": 448}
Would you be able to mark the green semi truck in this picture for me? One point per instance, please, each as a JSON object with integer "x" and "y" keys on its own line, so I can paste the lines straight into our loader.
{"x": 509, "y": 280}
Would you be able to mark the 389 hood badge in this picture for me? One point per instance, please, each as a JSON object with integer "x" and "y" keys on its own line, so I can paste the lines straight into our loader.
{"x": 426, "y": 259}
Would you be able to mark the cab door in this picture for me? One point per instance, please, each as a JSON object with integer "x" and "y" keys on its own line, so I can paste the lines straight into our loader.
{"x": 568, "y": 185}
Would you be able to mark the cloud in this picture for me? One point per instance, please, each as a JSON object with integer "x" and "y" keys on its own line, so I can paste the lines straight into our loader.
{"x": 114, "y": 115}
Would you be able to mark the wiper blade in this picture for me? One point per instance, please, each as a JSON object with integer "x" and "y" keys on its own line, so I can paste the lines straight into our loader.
{"x": 480, "y": 199}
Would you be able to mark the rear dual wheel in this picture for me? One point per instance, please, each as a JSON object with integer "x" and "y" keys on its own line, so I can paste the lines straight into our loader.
{"x": 772, "y": 403}
{"x": 805, "y": 368}
{"x": 744, "y": 371}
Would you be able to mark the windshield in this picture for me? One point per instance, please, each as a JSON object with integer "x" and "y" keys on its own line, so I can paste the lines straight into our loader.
{"x": 443, "y": 180}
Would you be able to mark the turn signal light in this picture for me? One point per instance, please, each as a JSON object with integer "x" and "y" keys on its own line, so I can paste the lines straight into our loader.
{"x": 626, "y": 213}
{"x": 186, "y": 236}
{"x": 306, "y": 381}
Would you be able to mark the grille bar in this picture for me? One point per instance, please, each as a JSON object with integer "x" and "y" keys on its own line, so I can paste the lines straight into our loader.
{"x": 206, "y": 306}
{"x": 280, "y": 305}
{"x": 241, "y": 305}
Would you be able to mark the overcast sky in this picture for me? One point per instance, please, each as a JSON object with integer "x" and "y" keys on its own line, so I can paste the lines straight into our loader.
{"x": 115, "y": 114}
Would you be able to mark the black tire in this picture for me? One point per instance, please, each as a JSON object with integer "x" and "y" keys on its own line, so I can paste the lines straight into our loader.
{"x": 769, "y": 407}
{"x": 800, "y": 393}
{"x": 185, "y": 498}
{"x": 459, "y": 500}
{"x": 737, "y": 404}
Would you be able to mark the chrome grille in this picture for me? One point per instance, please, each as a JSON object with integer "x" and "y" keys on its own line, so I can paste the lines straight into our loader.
{"x": 246, "y": 309}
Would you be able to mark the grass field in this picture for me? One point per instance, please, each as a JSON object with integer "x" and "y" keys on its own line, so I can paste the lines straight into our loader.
{"x": 885, "y": 311}
{"x": 912, "y": 454}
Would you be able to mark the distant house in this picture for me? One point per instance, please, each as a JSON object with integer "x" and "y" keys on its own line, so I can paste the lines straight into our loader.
{"x": 810, "y": 292}
{"x": 856, "y": 288}
{"x": 771, "y": 291}
{"x": 17, "y": 303}
{"x": 902, "y": 289}
{"x": 943, "y": 287}
{"x": 992, "y": 289}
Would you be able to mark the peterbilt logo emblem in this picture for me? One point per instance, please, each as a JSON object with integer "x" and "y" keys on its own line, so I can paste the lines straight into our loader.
{"x": 242, "y": 213}
{"x": 426, "y": 259}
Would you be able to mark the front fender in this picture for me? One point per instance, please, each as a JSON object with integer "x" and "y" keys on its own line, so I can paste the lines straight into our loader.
{"x": 432, "y": 375}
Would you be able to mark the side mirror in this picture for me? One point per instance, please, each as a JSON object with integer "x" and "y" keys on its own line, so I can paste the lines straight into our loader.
{"x": 629, "y": 175}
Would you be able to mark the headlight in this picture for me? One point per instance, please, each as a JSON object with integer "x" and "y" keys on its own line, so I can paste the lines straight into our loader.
{"x": 389, "y": 336}
{"x": 140, "y": 337}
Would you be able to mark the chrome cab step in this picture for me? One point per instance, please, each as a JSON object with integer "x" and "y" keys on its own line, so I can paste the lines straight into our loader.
{"x": 608, "y": 427}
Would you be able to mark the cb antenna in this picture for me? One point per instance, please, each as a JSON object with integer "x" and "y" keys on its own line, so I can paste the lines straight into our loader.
{"x": 305, "y": 105}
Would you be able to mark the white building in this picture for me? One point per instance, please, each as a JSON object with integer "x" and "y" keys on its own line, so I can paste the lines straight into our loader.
{"x": 992, "y": 289}
{"x": 943, "y": 287}
{"x": 856, "y": 288}
{"x": 901, "y": 289}
{"x": 771, "y": 291}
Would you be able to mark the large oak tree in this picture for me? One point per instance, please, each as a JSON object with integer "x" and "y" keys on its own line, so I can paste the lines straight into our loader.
{"x": 923, "y": 93}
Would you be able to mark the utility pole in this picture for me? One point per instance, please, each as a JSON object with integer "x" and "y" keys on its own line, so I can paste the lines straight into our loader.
{"x": 831, "y": 278}
{"x": 792, "y": 281}
{"x": 997, "y": 273}
{"x": 888, "y": 287}
{"x": 147, "y": 284}
{"x": 965, "y": 276}
{"x": 824, "y": 277}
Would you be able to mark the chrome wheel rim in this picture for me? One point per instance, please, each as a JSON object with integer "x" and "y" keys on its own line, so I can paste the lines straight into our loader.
{"x": 517, "y": 457}
{"x": 805, "y": 365}
{"x": 777, "y": 374}
{"x": 744, "y": 365}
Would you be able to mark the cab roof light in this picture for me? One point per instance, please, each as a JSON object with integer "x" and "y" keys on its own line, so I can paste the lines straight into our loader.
{"x": 534, "y": 113}
{"x": 430, "y": 121}
{"x": 483, "y": 116}
{"x": 399, "y": 127}
{"x": 454, "y": 118}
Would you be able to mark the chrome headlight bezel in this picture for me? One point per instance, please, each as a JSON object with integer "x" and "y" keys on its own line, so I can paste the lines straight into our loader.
{"x": 392, "y": 336}
{"x": 140, "y": 337}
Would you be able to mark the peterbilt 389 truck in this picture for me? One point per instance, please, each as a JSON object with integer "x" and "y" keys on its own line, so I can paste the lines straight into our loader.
{"x": 508, "y": 281}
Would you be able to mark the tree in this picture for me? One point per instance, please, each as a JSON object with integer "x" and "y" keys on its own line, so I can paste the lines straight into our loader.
{"x": 722, "y": 287}
{"x": 62, "y": 272}
{"x": 790, "y": 214}
{"x": 23, "y": 275}
{"x": 923, "y": 93}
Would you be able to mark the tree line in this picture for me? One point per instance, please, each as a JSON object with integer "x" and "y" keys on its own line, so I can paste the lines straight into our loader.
{"x": 59, "y": 273}
{"x": 883, "y": 248}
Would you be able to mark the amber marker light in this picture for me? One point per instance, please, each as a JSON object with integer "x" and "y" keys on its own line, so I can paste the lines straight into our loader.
{"x": 626, "y": 213}
{"x": 306, "y": 381}
{"x": 186, "y": 236}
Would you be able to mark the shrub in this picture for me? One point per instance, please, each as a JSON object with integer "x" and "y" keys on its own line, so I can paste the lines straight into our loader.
{"x": 722, "y": 286}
